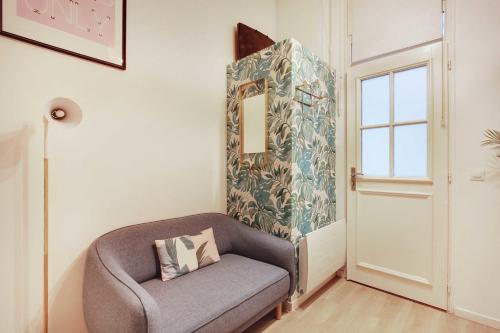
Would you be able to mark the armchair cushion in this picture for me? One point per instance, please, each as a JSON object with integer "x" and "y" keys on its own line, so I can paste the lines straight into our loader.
{"x": 258, "y": 245}
{"x": 218, "y": 297}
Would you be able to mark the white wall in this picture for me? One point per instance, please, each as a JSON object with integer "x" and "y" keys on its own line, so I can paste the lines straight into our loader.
{"x": 151, "y": 145}
{"x": 383, "y": 26}
{"x": 477, "y": 204}
{"x": 308, "y": 22}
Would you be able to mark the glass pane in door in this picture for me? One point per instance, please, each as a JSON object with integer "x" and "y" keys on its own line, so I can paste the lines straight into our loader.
{"x": 375, "y": 101}
{"x": 410, "y": 95}
{"x": 410, "y": 151}
{"x": 375, "y": 156}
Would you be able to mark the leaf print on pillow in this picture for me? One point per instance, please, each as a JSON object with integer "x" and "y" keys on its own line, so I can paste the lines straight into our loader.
{"x": 170, "y": 245}
{"x": 206, "y": 248}
{"x": 201, "y": 253}
{"x": 177, "y": 257}
{"x": 187, "y": 242}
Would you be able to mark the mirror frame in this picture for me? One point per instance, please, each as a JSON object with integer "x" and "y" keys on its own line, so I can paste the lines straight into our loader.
{"x": 241, "y": 92}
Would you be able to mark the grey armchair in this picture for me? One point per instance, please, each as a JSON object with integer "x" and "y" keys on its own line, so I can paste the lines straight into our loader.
{"x": 123, "y": 292}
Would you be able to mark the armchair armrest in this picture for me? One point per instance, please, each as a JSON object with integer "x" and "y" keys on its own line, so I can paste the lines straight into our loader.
{"x": 113, "y": 301}
{"x": 258, "y": 245}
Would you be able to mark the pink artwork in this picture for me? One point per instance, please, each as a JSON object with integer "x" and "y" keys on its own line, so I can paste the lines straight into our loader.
{"x": 91, "y": 19}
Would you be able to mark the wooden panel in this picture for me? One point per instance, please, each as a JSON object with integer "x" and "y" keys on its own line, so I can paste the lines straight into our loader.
{"x": 250, "y": 40}
{"x": 394, "y": 233}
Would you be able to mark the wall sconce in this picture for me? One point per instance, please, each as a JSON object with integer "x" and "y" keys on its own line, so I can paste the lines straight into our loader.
{"x": 61, "y": 112}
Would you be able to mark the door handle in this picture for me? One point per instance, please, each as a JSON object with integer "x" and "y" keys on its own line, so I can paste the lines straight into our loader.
{"x": 354, "y": 174}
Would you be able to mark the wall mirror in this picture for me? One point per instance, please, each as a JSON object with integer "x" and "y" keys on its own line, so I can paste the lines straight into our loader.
{"x": 253, "y": 117}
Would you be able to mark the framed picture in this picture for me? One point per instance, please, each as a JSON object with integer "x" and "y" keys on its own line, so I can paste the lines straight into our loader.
{"x": 94, "y": 30}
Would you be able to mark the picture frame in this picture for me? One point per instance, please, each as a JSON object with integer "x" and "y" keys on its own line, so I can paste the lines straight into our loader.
{"x": 93, "y": 30}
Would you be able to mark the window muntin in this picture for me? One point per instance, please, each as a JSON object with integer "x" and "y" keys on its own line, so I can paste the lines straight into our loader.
{"x": 394, "y": 124}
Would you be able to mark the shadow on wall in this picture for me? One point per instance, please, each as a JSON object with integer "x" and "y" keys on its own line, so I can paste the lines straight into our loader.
{"x": 13, "y": 149}
{"x": 14, "y": 170}
{"x": 66, "y": 298}
{"x": 491, "y": 142}
{"x": 493, "y": 171}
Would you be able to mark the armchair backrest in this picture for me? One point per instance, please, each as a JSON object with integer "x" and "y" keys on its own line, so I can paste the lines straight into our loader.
{"x": 133, "y": 247}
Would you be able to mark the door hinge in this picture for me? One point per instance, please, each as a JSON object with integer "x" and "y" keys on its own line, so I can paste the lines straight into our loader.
{"x": 349, "y": 41}
{"x": 450, "y": 179}
{"x": 443, "y": 6}
{"x": 449, "y": 65}
{"x": 448, "y": 289}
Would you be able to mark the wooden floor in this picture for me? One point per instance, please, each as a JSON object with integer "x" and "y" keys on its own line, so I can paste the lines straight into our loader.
{"x": 347, "y": 307}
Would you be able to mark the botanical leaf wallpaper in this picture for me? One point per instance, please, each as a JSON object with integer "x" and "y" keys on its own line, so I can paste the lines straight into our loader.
{"x": 292, "y": 191}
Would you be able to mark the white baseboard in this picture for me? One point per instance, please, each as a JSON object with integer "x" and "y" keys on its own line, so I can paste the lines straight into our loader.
{"x": 477, "y": 317}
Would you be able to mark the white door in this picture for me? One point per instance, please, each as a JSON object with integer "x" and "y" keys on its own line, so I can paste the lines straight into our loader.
{"x": 398, "y": 201}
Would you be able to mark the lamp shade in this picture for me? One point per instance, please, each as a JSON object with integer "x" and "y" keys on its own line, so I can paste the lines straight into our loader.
{"x": 63, "y": 111}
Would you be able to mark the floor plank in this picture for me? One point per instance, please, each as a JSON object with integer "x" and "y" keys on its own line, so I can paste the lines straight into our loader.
{"x": 348, "y": 307}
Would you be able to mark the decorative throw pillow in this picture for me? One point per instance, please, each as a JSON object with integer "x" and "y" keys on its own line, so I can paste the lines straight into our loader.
{"x": 177, "y": 257}
{"x": 206, "y": 249}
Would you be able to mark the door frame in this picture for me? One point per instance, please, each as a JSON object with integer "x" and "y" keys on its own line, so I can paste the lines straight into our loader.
{"x": 344, "y": 63}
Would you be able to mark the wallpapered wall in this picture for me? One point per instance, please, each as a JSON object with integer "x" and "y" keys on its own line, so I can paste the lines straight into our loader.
{"x": 292, "y": 191}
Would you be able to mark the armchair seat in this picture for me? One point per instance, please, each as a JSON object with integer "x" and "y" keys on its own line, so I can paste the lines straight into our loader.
{"x": 221, "y": 297}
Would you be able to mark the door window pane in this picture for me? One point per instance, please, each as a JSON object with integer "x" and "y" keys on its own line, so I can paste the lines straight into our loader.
{"x": 410, "y": 95}
{"x": 375, "y": 152}
{"x": 375, "y": 101}
{"x": 410, "y": 151}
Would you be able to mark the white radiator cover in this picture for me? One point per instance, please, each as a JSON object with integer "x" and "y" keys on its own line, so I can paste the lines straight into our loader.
{"x": 321, "y": 254}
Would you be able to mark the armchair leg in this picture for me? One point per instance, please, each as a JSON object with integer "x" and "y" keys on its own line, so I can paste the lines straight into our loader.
{"x": 279, "y": 311}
